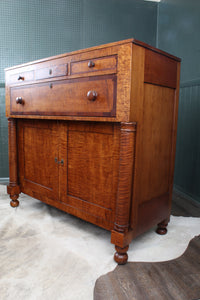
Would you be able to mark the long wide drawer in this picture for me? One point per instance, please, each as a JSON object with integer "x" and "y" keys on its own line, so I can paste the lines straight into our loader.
{"x": 91, "y": 96}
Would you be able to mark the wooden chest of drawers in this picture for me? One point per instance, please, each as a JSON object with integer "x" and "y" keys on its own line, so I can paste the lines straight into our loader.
{"x": 93, "y": 133}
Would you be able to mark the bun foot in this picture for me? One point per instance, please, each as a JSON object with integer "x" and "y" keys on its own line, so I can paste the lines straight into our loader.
{"x": 14, "y": 202}
{"x": 13, "y": 191}
{"x": 121, "y": 255}
{"x": 162, "y": 228}
{"x": 161, "y": 231}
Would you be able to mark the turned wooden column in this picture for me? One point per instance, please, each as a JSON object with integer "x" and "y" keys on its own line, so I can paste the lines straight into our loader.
{"x": 124, "y": 193}
{"x": 13, "y": 187}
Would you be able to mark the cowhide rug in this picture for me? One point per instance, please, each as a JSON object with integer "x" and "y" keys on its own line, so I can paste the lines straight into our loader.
{"x": 48, "y": 254}
{"x": 176, "y": 279}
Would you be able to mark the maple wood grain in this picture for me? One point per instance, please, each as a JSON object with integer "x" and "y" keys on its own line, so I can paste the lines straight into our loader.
{"x": 96, "y": 64}
{"x": 66, "y": 97}
{"x": 37, "y": 150}
{"x": 52, "y": 71}
{"x": 93, "y": 133}
{"x": 160, "y": 70}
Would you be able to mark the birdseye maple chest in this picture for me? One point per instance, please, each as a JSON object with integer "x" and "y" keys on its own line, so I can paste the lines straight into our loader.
{"x": 93, "y": 133}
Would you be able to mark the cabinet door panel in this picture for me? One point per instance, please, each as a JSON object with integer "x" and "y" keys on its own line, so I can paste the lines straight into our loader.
{"x": 90, "y": 176}
{"x": 37, "y": 149}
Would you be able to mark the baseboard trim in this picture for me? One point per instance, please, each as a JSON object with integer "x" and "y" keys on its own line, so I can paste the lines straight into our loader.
{"x": 2, "y": 85}
{"x": 194, "y": 82}
{"x": 186, "y": 195}
{"x": 4, "y": 180}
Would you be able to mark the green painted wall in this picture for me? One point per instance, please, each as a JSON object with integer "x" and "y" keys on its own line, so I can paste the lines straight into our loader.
{"x": 34, "y": 29}
{"x": 178, "y": 33}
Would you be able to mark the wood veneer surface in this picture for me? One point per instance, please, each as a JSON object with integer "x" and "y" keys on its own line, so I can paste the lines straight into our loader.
{"x": 115, "y": 169}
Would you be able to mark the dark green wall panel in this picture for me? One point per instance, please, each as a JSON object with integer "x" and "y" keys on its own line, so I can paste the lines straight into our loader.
{"x": 178, "y": 33}
{"x": 34, "y": 29}
{"x": 3, "y": 137}
{"x": 187, "y": 169}
{"x": 111, "y": 20}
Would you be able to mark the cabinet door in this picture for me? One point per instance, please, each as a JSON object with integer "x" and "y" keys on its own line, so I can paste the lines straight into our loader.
{"x": 38, "y": 144}
{"x": 89, "y": 176}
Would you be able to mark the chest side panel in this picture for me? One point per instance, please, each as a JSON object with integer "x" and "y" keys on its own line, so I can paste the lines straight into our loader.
{"x": 156, "y": 109}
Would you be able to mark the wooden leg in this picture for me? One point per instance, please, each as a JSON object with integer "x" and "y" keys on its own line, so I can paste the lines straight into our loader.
{"x": 124, "y": 192}
{"x": 162, "y": 227}
{"x": 121, "y": 255}
{"x": 13, "y": 189}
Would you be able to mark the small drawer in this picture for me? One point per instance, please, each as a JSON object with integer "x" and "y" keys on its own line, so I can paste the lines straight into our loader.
{"x": 21, "y": 77}
{"x": 91, "y": 96}
{"x": 101, "y": 64}
{"x": 51, "y": 71}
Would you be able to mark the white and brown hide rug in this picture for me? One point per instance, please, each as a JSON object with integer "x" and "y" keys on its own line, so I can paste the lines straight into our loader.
{"x": 48, "y": 254}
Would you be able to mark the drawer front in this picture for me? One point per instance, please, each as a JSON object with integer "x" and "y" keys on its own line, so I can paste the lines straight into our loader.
{"x": 21, "y": 77}
{"x": 108, "y": 63}
{"x": 51, "y": 71}
{"x": 91, "y": 96}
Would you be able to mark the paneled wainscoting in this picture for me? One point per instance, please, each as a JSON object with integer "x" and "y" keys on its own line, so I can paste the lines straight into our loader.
{"x": 187, "y": 167}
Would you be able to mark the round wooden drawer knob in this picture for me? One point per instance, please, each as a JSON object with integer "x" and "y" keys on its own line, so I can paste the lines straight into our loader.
{"x": 19, "y": 100}
{"x": 91, "y": 64}
{"x": 92, "y": 95}
{"x": 20, "y": 78}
